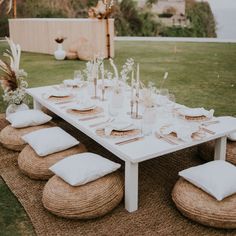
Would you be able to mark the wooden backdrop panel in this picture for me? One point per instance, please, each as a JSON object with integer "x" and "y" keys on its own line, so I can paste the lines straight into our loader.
{"x": 37, "y": 35}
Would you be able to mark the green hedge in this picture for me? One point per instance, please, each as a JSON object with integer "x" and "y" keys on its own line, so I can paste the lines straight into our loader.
{"x": 129, "y": 19}
{"x": 4, "y": 29}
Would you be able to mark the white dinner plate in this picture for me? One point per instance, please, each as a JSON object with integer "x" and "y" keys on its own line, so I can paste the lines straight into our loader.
{"x": 57, "y": 94}
{"x": 83, "y": 107}
{"x": 122, "y": 126}
{"x": 193, "y": 112}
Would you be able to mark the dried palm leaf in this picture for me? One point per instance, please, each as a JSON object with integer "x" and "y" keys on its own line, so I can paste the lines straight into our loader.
{"x": 14, "y": 54}
{"x": 10, "y": 70}
{"x": 8, "y": 79}
{"x": 9, "y": 6}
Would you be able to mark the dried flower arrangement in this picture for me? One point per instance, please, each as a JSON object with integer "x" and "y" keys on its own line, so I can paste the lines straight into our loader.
{"x": 127, "y": 68}
{"x": 9, "y": 5}
{"x": 60, "y": 39}
{"x": 165, "y": 77}
{"x": 12, "y": 78}
{"x": 103, "y": 9}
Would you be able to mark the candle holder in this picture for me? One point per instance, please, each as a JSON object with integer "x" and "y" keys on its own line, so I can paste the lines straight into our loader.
{"x": 131, "y": 112}
{"x": 136, "y": 114}
{"x": 95, "y": 81}
{"x": 103, "y": 94}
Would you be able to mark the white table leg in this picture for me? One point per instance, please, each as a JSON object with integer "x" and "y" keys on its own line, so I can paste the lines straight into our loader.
{"x": 37, "y": 105}
{"x": 131, "y": 186}
{"x": 220, "y": 148}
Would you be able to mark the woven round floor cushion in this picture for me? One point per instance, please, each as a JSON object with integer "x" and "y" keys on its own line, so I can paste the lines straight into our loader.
{"x": 199, "y": 206}
{"x": 206, "y": 151}
{"x": 87, "y": 201}
{"x": 11, "y": 137}
{"x": 36, "y": 167}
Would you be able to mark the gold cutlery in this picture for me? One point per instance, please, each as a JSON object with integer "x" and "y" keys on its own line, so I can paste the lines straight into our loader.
{"x": 210, "y": 122}
{"x": 167, "y": 139}
{"x": 91, "y": 117}
{"x": 207, "y": 131}
{"x": 129, "y": 140}
{"x": 64, "y": 102}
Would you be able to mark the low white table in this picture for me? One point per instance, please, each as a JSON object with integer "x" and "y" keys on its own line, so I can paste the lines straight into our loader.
{"x": 134, "y": 153}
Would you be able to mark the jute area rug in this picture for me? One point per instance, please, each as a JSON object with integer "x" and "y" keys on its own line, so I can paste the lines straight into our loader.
{"x": 156, "y": 215}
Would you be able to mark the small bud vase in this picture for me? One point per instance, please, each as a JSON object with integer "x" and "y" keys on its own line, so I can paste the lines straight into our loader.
{"x": 60, "y": 54}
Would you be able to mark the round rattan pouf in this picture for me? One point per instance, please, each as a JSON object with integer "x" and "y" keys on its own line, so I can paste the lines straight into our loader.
{"x": 197, "y": 205}
{"x": 88, "y": 201}
{"x": 11, "y": 137}
{"x": 36, "y": 167}
{"x": 206, "y": 151}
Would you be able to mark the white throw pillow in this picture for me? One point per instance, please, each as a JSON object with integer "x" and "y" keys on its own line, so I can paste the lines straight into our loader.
{"x": 49, "y": 140}
{"x": 82, "y": 168}
{"x": 232, "y": 136}
{"x": 217, "y": 178}
{"x": 28, "y": 118}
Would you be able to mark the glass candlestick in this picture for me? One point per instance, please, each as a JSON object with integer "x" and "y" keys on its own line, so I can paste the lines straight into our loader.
{"x": 136, "y": 114}
{"x": 103, "y": 94}
{"x": 131, "y": 112}
{"x": 95, "y": 81}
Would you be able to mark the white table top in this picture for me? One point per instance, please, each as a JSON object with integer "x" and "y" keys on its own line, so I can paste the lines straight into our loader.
{"x": 147, "y": 148}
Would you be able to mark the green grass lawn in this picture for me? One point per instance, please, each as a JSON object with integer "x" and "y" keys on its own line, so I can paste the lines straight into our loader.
{"x": 200, "y": 74}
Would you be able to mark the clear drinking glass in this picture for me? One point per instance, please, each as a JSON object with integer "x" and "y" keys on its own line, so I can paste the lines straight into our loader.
{"x": 164, "y": 92}
{"x": 116, "y": 102}
{"x": 148, "y": 121}
{"x": 171, "y": 98}
{"x": 164, "y": 96}
{"x": 77, "y": 75}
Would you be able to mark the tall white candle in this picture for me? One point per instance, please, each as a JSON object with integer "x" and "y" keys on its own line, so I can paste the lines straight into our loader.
{"x": 94, "y": 70}
{"x": 132, "y": 86}
{"x": 137, "y": 79}
{"x": 102, "y": 72}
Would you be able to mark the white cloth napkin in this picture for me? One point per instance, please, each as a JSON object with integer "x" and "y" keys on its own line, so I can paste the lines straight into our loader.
{"x": 83, "y": 105}
{"x": 56, "y": 93}
{"x": 119, "y": 125}
{"x": 183, "y": 131}
{"x": 194, "y": 112}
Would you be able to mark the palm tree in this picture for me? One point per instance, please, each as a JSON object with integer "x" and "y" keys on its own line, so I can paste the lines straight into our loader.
{"x": 11, "y": 4}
